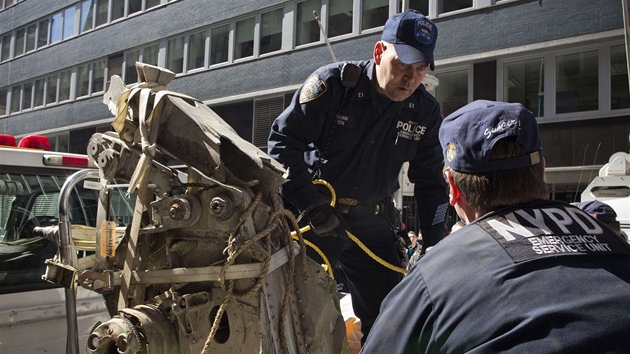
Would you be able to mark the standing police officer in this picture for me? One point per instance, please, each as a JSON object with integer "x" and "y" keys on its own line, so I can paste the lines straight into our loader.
{"x": 353, "y": 125}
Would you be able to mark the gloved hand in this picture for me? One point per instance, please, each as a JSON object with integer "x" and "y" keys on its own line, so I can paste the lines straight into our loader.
{"x": 326, "y": 221}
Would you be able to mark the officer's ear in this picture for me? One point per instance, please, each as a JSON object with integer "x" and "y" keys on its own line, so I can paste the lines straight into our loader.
{"x": 453, "y": 192}
{"x": 379, "y": 48}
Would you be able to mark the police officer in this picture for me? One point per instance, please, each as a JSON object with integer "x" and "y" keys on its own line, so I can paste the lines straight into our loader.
{"x": 525, "y": 275}
{"x": 353, "y": 125}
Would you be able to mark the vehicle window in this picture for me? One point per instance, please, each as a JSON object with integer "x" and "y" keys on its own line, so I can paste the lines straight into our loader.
{"x": 30, "y": 200}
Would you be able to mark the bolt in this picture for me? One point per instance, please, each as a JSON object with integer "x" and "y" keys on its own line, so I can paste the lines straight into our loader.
{"x": 218, "y": 206}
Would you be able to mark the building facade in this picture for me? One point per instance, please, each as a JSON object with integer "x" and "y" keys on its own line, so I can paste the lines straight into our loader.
{"x": 563, "y": 59}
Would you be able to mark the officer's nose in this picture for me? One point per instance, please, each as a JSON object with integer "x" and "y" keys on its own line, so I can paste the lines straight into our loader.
{"x": 412, "y": 74}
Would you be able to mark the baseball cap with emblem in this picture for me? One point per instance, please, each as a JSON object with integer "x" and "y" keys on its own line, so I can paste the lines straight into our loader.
{"x": 413, "y": 35}
{"x": 601, "y": 211}
{"x": 468, "y": 135}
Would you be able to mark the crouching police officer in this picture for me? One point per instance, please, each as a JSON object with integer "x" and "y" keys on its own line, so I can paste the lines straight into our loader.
{"x": 353, "y": 125}
{"x": 526, "y": 274}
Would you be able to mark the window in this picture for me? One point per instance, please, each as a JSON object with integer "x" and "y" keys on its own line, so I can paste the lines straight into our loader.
{"x": 219, "y": 44}
{"x": 98, "y": 76}
{"x": 115, "y": 65}
{"x": 56, "y": 29}
{"x": 150, "y": 54}
{"x": 68, "y": 22}
{"x": 51, "y": 89}
{"x": 244, "y": 46}
{"x": 131, "y": 74}
{"x": 6, "y": 47}
{"x": 271, "y": 31}
{"x": 196, "y": 50}
{"x": 87, "y": 16}
{"x": 619, "y": 97}
{"x": 152, "y": 3}
{"x": 577, "y": 82}
{"x": 101, "y": 12}
{"x": 118, "y": 9}
{"x": 134, "y": 6}
{"x": 83, "y": 81}
{"x": 175, "y": 55}
{"x": 307, "y": 30}
{"x": 31, "y": 33}
{"x": 452, "y": 92}
{"x": 15, "y": 98}
{"x": 27, "y": 95}
{"x": 42, "y": 35}
{"x": 523, "y": 82}
{"x": 38, "y": 98}
{"x": 61, "y": 142}
{"x": 3, "y": 102}
{"x": 375, "y": 13}
{"x": 420, "y": 5}
{"x": 453, "y": 5}
{"x": 339, "y": 18}
{"x": 19, "y": 41}
{"x": 64, "y": 85}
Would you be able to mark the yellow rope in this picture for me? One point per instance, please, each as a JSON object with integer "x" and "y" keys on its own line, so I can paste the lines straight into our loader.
{"x": 350, "y": 235}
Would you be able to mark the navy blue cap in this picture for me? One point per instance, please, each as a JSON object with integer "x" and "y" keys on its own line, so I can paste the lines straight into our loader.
{"x": 413, "y": 35}
{"x": 468, "y": 135}
{"x": 601, "y": 211}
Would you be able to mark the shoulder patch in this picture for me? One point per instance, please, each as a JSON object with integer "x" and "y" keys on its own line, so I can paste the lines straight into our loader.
{"x": 313, "y": 87}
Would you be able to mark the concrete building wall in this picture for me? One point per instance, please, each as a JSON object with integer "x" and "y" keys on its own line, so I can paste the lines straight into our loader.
{"x": 514, "y": 24}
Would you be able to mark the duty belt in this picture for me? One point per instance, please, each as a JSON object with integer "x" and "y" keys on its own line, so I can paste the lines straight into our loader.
{"x": 352, "y": 206}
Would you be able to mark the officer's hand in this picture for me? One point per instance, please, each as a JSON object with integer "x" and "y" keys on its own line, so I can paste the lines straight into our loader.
{"x": 325, "y": 221}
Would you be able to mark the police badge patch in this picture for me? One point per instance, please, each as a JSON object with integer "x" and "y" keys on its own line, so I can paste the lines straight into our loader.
{"x": 423, "y": 31}
{"x": 313, "y": 87}
{"x": 451, "y": 152}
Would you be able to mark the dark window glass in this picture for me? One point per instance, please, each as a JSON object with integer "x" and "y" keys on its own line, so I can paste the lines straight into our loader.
{"x": 244, "y": 46}
{"x": 307, "y": 30}
{"x": 31, "y": 32}
{"x": 577, "y": 82}
{"x": 219, "y": 44}
{"x": 271, "y": 31}
{"x": 619, "y": 96}
{"x": 87, "y": 15}
{"x": 196, "y": 50}
{"x": 339, "y": 18}
{"x": 175, "y": 55}
{"x": 42, "y": 35}
{"x": 375, "y": 13}
{"x": 20, "y": 36}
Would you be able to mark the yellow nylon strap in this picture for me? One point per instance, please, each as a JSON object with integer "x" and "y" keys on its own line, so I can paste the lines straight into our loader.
{"x": 350, "y": 235}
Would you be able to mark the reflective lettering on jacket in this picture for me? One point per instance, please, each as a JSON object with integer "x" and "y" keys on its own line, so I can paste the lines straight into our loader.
{"x": 553, "y": 230}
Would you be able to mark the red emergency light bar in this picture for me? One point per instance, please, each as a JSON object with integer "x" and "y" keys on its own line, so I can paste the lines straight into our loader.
{"x": 35, "y": 142}
{"x": 7, "y": 140}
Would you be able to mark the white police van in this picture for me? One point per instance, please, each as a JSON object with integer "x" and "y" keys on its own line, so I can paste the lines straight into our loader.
{"x": 33, "y": 311}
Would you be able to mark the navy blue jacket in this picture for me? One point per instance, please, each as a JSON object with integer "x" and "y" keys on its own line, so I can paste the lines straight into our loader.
{"x": 540, "y": 278}
{"x": 370, "y": 144}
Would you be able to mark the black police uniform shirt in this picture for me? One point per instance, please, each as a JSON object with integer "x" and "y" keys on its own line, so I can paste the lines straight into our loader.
{"x": 544, "y": 278}
{"x": 372, "y": 139}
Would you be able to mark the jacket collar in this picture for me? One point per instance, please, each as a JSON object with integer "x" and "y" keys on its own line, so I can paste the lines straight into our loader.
{"x": 365, "y": 89}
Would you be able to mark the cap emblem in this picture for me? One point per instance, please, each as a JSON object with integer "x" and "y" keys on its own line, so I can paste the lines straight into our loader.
{"x": 423, "y": 31}
{"x": 451, "y": 152}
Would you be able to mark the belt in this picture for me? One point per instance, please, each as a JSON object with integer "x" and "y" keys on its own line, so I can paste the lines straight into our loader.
{"x": 353, "y": 206}
{"x": 348, "y": 201}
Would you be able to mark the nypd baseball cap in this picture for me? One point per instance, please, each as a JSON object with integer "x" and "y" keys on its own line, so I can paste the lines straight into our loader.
{"x": 601, "y": 211}
{"x": 468, "y": 135}
{"x": 413, "y": 35}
